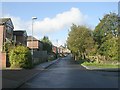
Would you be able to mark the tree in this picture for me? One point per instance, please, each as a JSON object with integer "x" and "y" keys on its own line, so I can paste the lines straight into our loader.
{"x": 108, "y": 25}
{"x": 106, "y": 36}
{"x": 110, "y": 48}
{"x": 80, "y": 40}
{"x": 47, "y": 45}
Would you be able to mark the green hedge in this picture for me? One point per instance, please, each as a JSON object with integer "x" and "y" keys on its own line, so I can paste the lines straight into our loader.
{"x": 20, "y": 57}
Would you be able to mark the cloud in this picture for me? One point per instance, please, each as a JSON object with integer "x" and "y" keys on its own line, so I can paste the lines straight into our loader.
{"x": 60, "y": 21}
{"x": 49, "y": 25}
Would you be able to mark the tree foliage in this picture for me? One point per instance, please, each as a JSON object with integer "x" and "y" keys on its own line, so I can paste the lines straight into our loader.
{"x": 20, "y": 57}
{"x": 106, "y": 36}
{"x": 108, "y": 25}
{"x": 109, "y": 48}
{"x": 47, "y": 44}
{"x": 80, "y": 40}
{"x": 102, "y": 42}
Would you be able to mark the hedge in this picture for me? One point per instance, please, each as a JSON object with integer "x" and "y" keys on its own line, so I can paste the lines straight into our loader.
{"x": 20, "y": 57}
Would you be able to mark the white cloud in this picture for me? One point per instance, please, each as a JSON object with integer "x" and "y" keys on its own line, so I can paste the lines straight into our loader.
{"x": 48, "y": 25}
{"x": 60, "y": 21}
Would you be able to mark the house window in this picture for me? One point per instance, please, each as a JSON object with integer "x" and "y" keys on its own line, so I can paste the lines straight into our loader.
{"x": 9, "y": 30}
{"x": 9, "y": 33}
{"x": 14, "y": 38}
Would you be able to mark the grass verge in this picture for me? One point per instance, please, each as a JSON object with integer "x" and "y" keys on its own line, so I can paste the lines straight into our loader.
{"x": 100, "y": 65}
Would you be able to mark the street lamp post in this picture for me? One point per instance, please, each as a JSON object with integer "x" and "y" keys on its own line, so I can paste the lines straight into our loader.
{"x": 33, "y": 18}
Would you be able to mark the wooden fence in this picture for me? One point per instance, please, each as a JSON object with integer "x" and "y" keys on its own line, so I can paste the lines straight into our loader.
{"x": 39, "y": 57}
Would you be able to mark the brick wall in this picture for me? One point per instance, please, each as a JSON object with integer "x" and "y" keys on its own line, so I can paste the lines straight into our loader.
{"x": 3, "y": 60}
{"x": 2, "y": 54}
{"x": 1, "y": 38}
{"x": 0, "y": 61}
{"x": 34, "y": 44}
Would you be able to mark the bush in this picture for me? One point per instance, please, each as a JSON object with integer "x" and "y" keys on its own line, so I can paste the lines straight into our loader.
{"x": 51, "y": 57}
{"x": 20, "y": 57}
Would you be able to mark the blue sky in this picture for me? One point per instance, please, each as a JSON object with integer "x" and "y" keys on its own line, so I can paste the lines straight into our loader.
{"x": 51, "y": 12}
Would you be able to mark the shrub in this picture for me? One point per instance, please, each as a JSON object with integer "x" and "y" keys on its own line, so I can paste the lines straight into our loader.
{"x": 20, "y": 57}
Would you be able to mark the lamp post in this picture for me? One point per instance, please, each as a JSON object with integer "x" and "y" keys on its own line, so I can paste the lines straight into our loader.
{"x": 33, "y": 18}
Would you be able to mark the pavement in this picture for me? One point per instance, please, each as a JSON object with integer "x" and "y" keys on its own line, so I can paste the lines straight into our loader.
{"x": 14, "y": 78}
{"x": 101, "y": 69}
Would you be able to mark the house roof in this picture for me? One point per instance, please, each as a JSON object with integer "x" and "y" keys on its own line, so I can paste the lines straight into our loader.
{"x": 62, "y": 46}
{"x": 20, "y": 32}
{"x": 29, "y": 38}
{"x": 54, "y": 46}
{"x": 4, "y": 20}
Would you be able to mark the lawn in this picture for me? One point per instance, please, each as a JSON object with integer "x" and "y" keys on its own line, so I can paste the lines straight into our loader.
{"x": 100, "y": 65}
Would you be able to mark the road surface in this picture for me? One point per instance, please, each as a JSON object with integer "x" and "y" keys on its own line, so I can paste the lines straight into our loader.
{"x": 66, "y": 73}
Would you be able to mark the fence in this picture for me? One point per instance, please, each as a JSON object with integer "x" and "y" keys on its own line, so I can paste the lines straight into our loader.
{"x": 39, "y": 57}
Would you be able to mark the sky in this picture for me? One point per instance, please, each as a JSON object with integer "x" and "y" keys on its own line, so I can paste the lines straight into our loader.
{"x": 54, "y": 19}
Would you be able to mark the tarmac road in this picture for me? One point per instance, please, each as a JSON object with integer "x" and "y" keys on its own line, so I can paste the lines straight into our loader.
{"x": 66, "y": 73}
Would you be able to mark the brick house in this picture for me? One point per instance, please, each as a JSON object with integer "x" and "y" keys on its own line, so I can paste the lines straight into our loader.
{"x": 34, "y": 43}
{"x": 54, "y": 49}
{"x": 20, "y": 37}
{"x": 61, "y": 49}
{"x": 6, "y": 35}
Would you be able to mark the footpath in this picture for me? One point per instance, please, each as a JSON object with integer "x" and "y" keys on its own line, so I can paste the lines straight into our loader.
{"x": 12, "y": 78}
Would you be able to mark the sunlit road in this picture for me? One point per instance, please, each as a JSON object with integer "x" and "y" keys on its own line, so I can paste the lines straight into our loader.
{"x": 68, "y": 74}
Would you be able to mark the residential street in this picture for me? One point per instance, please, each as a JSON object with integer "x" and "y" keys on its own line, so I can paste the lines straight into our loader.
{"x": 49, "y": 44}
{"x": 68, "y": 74}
